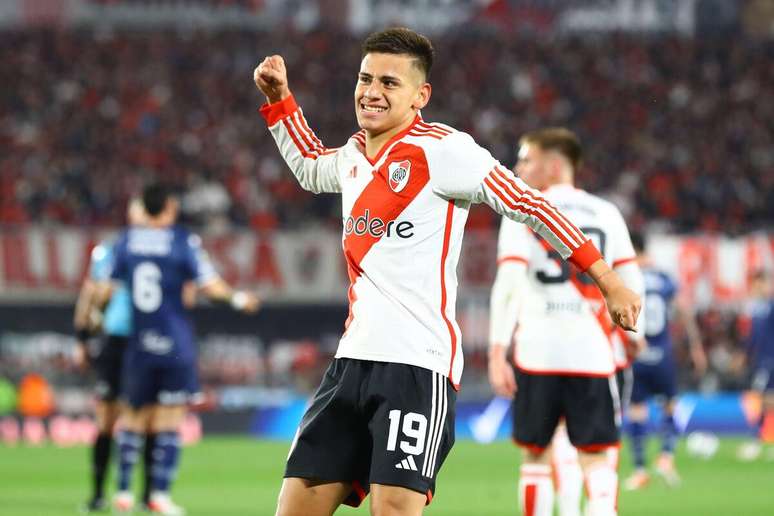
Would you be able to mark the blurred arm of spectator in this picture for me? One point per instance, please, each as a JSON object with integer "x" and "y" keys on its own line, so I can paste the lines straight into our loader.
{"x": 687, "y": 319}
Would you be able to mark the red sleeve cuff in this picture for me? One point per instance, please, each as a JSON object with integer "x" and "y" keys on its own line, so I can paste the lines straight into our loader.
{"x": 273, "y": 113}
{"x": 584, "y": 256}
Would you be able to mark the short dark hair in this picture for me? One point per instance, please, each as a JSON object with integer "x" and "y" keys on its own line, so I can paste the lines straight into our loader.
{"x": 638, "y": 241}
{"x": 558, "y": 139}
{"x": 154, "y": 198}
{"x": 400, "y": 40}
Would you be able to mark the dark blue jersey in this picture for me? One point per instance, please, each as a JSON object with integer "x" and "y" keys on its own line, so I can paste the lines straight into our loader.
{"x": 660, "y": 290}
{"x": 154, "y": 263}
{"x": 760, "y": 344}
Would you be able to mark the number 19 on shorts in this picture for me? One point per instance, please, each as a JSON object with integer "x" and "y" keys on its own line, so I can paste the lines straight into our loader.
{"x": 413, "y": 428}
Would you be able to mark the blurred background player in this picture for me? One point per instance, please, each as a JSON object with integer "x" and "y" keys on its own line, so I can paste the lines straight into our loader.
{"x": 154, "y": 262}
{"x": 116, "y": 325}
{"x": 760, "y": 356}
{"x": 655, "y": 373}
{"x": 565, "y": 363}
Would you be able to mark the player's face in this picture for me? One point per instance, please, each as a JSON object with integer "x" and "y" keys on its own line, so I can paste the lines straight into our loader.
{"x": 532, "y": 166}
{"x": 389, "y": 91}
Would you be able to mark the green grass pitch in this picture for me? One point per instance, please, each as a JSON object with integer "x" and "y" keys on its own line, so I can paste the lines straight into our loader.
{"x": 241, "y": 476}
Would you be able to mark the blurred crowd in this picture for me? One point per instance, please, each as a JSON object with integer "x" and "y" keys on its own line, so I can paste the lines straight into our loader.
{"x": 677, "y": 131}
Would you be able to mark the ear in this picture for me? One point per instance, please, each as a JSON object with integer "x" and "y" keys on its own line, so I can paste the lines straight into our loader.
{"x": 422, "y": 97}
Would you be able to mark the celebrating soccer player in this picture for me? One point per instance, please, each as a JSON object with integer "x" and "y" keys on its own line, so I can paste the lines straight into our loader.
{"x": 383, "y": 418}
{"x": 154, "y": 262}
{"x": 565, "y": 364}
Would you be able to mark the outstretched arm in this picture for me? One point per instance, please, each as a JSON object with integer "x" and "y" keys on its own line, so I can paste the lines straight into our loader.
{"x": 475, "y": 176}
{"x": 315, "y": 166}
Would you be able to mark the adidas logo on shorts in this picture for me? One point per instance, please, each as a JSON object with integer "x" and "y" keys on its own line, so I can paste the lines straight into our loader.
{"x": 407, "y": 463}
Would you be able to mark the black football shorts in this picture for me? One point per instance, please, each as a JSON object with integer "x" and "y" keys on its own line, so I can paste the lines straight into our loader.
{"x": 375, "y": 423}
{"x": 108, "y": 364}
{"x": 590, "y": 406}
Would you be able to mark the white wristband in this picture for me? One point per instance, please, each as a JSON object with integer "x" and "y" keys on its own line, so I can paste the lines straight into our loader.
{"x": 238, "y": 300}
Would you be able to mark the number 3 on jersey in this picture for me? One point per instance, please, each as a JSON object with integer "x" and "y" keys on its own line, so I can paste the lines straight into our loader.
{"x": 414, "y": 427}
{"x": 146, "y": 287}
{"x": 596, "y": 235}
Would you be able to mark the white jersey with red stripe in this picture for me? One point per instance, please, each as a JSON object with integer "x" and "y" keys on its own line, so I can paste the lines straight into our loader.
{"x": 563, "y": 323}
{"x": 404, "y": 213}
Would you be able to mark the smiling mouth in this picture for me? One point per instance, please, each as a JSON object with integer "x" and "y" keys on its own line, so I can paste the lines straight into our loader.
{"x": 373, "y": 109}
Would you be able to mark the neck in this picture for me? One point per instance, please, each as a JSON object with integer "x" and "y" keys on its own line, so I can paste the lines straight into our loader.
{"x": 375, "y": 142}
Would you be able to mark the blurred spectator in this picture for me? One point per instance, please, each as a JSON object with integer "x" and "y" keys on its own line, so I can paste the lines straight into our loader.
{"x": 678, "y": 130}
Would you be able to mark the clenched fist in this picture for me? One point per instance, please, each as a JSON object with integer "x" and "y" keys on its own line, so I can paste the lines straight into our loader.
{"x": 271, "y": 77}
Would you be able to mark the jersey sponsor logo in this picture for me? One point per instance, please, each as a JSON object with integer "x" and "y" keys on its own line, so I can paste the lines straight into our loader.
{"x": 377, "y": 227}
{"x": 399, "y": 175}
{"x": 154, "y": 343}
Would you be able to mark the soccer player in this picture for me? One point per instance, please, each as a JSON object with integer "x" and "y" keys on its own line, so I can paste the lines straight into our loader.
{"x": 382, "y": 419}
{"x": 154, "y": 262}
{"x": 760, "y": 355}
{"x": 655, "y": 371}
{"x": 116, "y": 323}
{"x": 564, "y": 357}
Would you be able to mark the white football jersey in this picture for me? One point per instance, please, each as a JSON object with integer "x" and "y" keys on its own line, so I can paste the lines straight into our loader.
{"x": 404, "y": 213}
{"x": 563, "y": 323}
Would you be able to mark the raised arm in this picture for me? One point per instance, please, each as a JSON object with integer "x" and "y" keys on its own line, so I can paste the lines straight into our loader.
{"x": 314, "y": 165}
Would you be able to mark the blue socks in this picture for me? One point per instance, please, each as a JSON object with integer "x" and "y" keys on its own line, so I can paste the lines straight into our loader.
{"x": 637, "y": 431}
{"x": 129, "y": 444}
{"x": 166, "y": 454}
{"x": 668, "y": 434}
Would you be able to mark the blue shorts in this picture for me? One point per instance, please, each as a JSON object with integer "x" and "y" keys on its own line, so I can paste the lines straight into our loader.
{"x": 157, "y": 382}
{"x": 653, "y": 380}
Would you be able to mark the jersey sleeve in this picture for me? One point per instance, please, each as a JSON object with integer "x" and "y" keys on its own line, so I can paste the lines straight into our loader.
{"x": 471, "y": 173}
{"x": 200, "y": 268}
{"x": 119, "y": 266}
{"x": 101, "y": 262}
{"x": 315, "y": 166}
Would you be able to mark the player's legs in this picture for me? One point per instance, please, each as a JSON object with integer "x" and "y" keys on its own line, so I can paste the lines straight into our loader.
{"x": 133, "y": 422}
{"x": 642, "y": 390}
{"x": 593, "y": 414}
{"x": 410, "y": 412}
{"x": 536, "y": 414}
{"x": 107, "y": 409}
{"x": 763, "y": 383}
{"x": 168, "y": 412}
{"x": 601, "y": 480}
{"x": 164, "y": 422}
{"x": 568, "y": 475}
{"x": 396, "y": 501}
{"x": 638, "y": 420}
{"x": 330, "y": 455}
{"x": 665, "y": 464}
{"x": 305, "y": 497}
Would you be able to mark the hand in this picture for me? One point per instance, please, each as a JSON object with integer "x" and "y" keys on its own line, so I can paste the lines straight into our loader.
{"x": 81, "y": 357}
{"x": 271, "y": 77}
{"x": 252, "y": 304}
{"x": 501, "y": 376}
{"x": 624, "y": 306}
{"x": 245, "y": 302}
